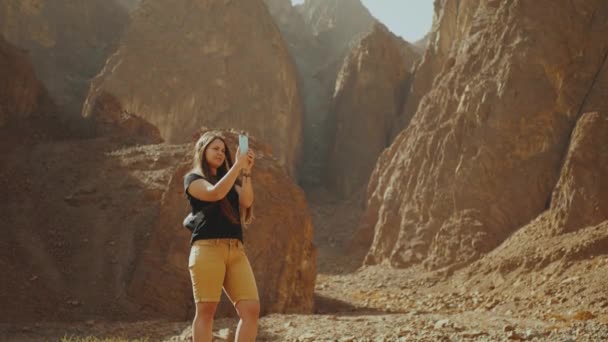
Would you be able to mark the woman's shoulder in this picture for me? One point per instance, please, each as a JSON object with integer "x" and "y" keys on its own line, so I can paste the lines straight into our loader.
{"x": 191, "y": 177}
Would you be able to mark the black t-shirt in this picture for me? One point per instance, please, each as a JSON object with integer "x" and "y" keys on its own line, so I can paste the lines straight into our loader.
{"x": 215, "y": 225}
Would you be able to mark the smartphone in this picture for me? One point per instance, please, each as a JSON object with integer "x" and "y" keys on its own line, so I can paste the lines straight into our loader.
{"x": 243, "y": 143}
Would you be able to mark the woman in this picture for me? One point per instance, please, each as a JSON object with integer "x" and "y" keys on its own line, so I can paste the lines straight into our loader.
{"x": 217, "y": 258}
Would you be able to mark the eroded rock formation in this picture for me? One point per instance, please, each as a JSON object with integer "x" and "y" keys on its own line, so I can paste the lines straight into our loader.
{"x": 27, "y": 113}
{"x": 21, "y": 92}
{"x": 483, "y": 153}
{"x": 320, "y": 34}
{"x": 282, "y": 227}
{"x": 93, "y": 230}
{"x": 366, "y": 106}
{"x": 212, "y": 63}
{"x": 67, "y": 41}
{"x": 451, "y": 21}
{"x": 563, "y": 243}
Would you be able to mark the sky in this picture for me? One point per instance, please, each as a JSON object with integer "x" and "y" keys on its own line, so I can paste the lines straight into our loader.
{"x": 410, "y": 19}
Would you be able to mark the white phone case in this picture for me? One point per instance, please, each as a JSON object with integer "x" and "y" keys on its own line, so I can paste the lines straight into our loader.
{"x": 243, "y": 143}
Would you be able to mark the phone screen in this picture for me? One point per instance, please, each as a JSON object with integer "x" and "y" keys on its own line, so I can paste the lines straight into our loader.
{"x": 243, "y": 143}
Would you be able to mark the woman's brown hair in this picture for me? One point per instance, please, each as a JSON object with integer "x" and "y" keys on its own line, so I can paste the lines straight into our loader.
{"x": 200, "y": 166}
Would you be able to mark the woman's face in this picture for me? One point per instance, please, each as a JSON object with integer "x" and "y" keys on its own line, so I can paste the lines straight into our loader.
{"x": 215, "y": 154}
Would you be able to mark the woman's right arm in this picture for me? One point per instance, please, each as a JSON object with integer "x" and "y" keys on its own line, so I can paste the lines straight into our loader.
{"x": 205, "y": 191}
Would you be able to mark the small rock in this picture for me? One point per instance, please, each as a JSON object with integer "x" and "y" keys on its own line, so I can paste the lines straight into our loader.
{"x": 442, "y": 323}
{"x": 73, "y": 302}
{"x": 530, "y": 334}
{"x": 404, "y": 332}
{"x": 515, "y": 336}
{"x": 473, "y": 334}
{"x": 306, "y": 337}
{"x": 224, "y": 335}
{"x": 583, "y": 316}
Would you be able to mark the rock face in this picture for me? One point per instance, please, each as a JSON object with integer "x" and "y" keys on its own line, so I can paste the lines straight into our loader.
{"x": 308, "y": 54}
{"x": 27, "y": 114}
{"x": 282, "y": 227}
{"x": 450, "y": 22}
{"x": 579, "y": 199}
{"x": 482, "y": 155}
{"x": 111, "y": 120}
{"x": 94, "y": 205}
{"x": 565, "y": 240}
{"x": 337, "y": 23}
{"x": 20, "y": 91}
{"x": 213, "y": 63}
{"x": 320, "y": 34}
{"x": 421, "y": 44}
{"x": 67, "y": 41}
{"x": 130, "y": 5}
{"x": 367, "y": 102}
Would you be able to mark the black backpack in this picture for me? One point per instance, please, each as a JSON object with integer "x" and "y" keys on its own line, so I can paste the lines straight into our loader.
{"x": 193, "y": 220}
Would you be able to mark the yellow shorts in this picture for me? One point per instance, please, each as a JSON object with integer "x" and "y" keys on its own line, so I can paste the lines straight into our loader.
{"x": 218, "y": 263}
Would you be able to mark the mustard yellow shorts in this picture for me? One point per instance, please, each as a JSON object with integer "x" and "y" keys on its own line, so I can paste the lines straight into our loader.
{"x": 218, "y": 263}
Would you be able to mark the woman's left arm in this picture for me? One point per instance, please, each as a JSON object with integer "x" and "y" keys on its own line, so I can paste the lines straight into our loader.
{"x": 246, "y": 190}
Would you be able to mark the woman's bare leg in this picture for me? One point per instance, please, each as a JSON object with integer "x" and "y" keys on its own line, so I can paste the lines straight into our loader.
{"x": 249, "y": 312}
{"x": 202, "y": 326}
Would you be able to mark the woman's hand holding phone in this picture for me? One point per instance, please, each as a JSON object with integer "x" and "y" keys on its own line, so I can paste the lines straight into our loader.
{"x": 244, "y": 150}
{"x": 240, "y": 160}
{"x": 250, "y": 160}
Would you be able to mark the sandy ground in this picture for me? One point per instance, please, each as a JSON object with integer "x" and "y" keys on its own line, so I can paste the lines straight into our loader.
{"x": 378, "y": 304}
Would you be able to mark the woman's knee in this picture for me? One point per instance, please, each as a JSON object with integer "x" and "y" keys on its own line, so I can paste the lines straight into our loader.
{"x": 205, "y": 310}
{"x": 248, "y": 309}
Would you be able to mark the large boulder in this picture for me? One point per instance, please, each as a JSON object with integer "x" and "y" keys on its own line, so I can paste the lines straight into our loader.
{"x": 580, "y": 198}
{"x": 450, "y": 21}
{"x": 366, "y": 106}
{"x": 68, "y": 43}
{"x": 27, "y": 113}
{"x": 21, "y": 92}
{"x": 102, "y": 237}
{"x": 278, "y": 244}
{"x": 76, "y": 214}
{"x": 214, "y": 63}
{"x": 483, "y": 153}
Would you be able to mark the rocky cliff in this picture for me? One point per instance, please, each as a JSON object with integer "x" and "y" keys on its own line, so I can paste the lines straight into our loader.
{"x": 213, "y": 63}
{"x": 366, "y": 106}
{"x": 484, "y": 151}
{"x": 320, "y": 34}
{"x": 557, "y": 257}
{"x": 67, "y": 41}
{"x": 337, "y": 23}
{"x": 27, "y": 113}
{"x": 21, "y": 93}
{"x": 451, "y": 21}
